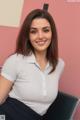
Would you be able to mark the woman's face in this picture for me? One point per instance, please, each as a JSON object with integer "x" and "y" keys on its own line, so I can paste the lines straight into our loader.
{"x": 40, "y": 34}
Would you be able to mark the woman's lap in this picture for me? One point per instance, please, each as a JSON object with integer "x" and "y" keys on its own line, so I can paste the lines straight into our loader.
{"x": 16, "y": 110}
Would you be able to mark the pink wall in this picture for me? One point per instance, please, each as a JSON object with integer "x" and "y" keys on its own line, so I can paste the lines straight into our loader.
{"x": 67, "y": 18}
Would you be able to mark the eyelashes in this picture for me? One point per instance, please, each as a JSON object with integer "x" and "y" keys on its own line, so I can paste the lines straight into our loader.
{"x": 46, "y": 30}
{"x": 35, "y": 31}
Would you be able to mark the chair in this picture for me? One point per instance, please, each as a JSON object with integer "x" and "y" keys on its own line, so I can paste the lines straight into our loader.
{"x": 64, "y": 106}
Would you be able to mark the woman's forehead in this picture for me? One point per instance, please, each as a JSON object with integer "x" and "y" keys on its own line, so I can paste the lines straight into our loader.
{"x": 40, "y": 22}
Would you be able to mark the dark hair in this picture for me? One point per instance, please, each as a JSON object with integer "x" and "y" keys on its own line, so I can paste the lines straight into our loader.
{"x": 24, "y": 46}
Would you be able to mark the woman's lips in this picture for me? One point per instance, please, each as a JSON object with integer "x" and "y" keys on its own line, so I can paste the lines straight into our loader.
{"x": 42, "y": 42}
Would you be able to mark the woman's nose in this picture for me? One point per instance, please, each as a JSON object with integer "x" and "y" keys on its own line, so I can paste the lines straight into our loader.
{"x": 40, "y": 34}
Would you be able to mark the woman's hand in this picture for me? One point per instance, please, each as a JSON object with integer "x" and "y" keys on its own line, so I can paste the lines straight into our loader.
{"x": 5, "y": 87}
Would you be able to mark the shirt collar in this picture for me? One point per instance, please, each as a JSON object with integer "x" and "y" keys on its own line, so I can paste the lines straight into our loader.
{"x": 32, "y": 60}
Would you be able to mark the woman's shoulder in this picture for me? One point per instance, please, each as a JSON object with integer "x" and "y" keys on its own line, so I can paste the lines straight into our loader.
{"x": 15, "y": 56}
{"x": 61, "y": 63}
{"x": 18, "y": 58}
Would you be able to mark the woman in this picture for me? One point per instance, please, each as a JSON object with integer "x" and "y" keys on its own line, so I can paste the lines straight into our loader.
{"x": 29, "y": 78}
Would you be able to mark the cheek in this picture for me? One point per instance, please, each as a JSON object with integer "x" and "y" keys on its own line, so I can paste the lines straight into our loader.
{"x": 32, "y": 37}
{"x": 49, "y": 35}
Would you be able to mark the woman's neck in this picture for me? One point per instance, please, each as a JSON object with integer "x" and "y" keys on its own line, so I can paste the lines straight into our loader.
{"x": 40, "y": 56}
{"x": 41, "y": 60}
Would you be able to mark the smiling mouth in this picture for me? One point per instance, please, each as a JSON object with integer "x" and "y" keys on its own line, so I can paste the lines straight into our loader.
{"x": 42, "y": 42}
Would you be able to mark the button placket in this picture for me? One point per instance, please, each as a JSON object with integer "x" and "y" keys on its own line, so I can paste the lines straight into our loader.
{"x": 44, "y": 84}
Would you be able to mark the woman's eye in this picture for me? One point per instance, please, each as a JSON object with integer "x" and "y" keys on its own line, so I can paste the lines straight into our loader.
{"x": 32, "y": 31}
{"x": 46, "y": 30}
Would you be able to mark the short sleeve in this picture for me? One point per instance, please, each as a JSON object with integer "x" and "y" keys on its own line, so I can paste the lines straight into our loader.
{"x": 9, "y": 69}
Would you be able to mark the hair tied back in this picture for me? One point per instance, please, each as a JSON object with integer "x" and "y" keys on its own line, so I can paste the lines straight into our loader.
{"x": 45, "y": 6}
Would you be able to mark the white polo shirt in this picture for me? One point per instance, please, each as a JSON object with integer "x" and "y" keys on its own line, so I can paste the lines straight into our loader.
{"x": 35, "y": 88}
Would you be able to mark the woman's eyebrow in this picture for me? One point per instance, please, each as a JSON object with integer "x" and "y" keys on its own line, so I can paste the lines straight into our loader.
{"x": 41, "y": 27}
{"x": 33, "y": 28}
{"x": 46, "y": 27}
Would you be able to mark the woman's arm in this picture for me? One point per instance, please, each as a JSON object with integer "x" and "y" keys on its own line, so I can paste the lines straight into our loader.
{"x": 5, "y": 87}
